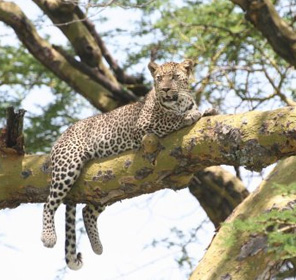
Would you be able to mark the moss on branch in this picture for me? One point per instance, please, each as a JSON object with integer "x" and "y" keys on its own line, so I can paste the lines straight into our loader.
{"x": 241, "y": 254}
{"x": 253, "y": 139}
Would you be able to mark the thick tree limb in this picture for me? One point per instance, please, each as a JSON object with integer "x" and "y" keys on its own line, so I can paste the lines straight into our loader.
{"x": 121, "y": 76}
{"x": 278, "y": 33}
{"x": 88, "y": 45}
{"x": 253, "y": 139}
{"x": 218, "y": 192}
{"x": 93, "y": 91}
{"x": 248, "y": 257}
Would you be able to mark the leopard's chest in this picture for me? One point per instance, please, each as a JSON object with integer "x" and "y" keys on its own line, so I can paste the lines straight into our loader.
{"x": 161, "y": 123}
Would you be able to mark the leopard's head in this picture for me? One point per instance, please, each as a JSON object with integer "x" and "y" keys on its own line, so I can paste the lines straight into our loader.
{"x": 170, "y": 80}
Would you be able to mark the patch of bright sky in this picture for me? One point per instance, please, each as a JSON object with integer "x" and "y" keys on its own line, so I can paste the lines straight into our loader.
{"x": 125, "y": 229}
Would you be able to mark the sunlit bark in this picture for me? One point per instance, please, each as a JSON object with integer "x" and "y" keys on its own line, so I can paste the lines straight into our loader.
{"x": 253, "y": 139}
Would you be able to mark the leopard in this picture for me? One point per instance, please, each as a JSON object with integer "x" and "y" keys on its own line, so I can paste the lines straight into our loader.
{"x": 168, "y": 107}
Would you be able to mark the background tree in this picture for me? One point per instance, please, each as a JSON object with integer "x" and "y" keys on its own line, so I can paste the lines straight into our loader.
{"x": 244, "y": 62}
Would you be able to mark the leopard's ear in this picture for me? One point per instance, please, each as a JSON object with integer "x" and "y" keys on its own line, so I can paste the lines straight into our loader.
{"x": 188, "y": 64}
{"x": 152, "y": 67}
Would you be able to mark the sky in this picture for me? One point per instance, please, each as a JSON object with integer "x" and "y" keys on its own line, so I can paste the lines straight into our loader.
{"x": 127, "y": 229}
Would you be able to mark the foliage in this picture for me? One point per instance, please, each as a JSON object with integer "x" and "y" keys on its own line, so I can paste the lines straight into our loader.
{"x": 234, "y": 62}
{"x": 21, "y": 76}
{"x": 182, "y": 242}
{"x": 278, "y": 225}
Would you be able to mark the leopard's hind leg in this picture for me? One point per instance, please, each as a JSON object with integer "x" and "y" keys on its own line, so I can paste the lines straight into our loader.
{"x": 73, "y": 261}
{"x": 90, "y": 216}
{"x": 58, "y": 191}
{"x": 65, "y": 171}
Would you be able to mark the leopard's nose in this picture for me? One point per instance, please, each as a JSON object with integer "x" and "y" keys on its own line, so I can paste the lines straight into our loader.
{"x": 166, "y": 89}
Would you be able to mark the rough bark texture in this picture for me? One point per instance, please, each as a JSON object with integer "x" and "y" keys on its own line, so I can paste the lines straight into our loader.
{"x": 248, "y": 256}
{"x": 86, "y": 41}
{"x": 279, "y": 34}
{"x": 218, "y": 192}
{"x": 253, "y": 139}
{"x": 89, "y": 77}
{"x": 14, "y": 138}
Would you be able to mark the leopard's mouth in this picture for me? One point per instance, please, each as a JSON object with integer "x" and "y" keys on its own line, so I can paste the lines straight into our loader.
{"x": 172, "y": 98}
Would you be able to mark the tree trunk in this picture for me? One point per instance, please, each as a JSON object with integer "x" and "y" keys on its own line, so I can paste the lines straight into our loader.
{"x": 248, "y": 257}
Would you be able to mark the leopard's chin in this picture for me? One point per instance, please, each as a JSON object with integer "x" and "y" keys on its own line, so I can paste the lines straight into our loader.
{"x": 169, "y": 105}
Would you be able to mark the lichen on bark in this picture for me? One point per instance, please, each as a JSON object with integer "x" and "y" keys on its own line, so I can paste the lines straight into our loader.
{"x": 131, "y": 174}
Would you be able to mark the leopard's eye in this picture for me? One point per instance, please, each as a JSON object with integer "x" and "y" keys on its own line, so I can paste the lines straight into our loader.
{"x": 158, "y": 78}
{"x": 176, "y": 76}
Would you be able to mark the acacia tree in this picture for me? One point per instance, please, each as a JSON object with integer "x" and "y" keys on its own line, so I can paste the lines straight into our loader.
{"x": 245, "y": 52}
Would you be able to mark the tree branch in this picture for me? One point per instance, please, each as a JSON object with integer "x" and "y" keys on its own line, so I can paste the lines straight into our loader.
{"x": 118, "y": 90}
{"x": 253, "y": 139}
{"x": 232, "y": 254}
{"x": 97, "y": 95}
{"x": 121, "y": 76}
{"x": 63, "y": 15}
{"x": 88, "y": 45}
{"x": 279, "y": 34}
{"x": 218, "y": 192}
{"x": 14, "y": 130}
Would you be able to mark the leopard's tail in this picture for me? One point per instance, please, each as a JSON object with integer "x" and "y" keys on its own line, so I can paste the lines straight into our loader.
{"x": 73, "y": 260}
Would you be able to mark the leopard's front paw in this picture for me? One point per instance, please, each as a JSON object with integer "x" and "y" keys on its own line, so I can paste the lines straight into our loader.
{"x": 192, "y": 117}
{"x": 210, "y": 112}
{"x": 49, "y": 237}
{"x": 150, "y": 143}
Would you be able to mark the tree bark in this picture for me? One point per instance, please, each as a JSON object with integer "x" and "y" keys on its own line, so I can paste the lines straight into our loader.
{"x": 218, "y": 192}
{"x": 87, "y": 43}
{"x": 97, "y": 84}
{"x": 279, "y": 34}
{"x": 248, "y": 257}
{"x": 73, "y": 23}
{"x": 253, "y": 139}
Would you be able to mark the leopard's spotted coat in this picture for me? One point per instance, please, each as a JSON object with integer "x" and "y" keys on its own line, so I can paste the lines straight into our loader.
{"x": 166, "y": 108}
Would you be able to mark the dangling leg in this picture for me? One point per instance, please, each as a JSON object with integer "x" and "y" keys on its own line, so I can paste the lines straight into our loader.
{"x": 58, "y": 190}
{"x": 90, "y": 216}
{"x": 61, "y": 184}
{"x": 73, "y": 261}
{"x": 48, "y": 236}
